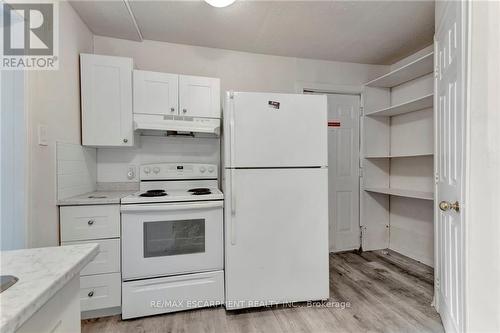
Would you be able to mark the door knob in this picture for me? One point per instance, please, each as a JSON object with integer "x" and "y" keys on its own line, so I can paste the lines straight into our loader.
{"x": 446, "y": 205}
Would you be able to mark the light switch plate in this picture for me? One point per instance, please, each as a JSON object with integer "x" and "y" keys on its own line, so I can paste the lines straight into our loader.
{"x": 42, "y": 135}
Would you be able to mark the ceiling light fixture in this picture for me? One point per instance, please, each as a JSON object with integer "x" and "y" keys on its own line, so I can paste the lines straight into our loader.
{"x": 220, "y": 3}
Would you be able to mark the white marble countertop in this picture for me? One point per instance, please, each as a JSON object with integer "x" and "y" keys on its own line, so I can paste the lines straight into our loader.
{"x": 95, "y": 198}
{"x": 42, "y": 272}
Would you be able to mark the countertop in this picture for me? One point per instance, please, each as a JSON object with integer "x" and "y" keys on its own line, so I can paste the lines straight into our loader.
{"x": 42, "y": 272}
{"x": 95, "y": 198}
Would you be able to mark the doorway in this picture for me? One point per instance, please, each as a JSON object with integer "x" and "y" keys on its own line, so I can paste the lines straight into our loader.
{"x": 343, "y": 169}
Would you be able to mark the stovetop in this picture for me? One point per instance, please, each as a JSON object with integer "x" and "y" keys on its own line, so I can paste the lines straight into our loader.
{"x": 174, "y": 195}
{"x": 176, "y": 182}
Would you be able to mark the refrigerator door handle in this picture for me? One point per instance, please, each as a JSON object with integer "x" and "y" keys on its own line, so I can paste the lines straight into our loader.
{"x": 231, "y": 160}
{"x": 233, "y": 210}
{"x": 231, "y": 134}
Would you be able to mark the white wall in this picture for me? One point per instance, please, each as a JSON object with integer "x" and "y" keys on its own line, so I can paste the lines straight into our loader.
{"x": 54, "y": 100}
{"x": 113, "y": 163}
{"x": 12, "y": 161}
{"x": 237, "y": 71}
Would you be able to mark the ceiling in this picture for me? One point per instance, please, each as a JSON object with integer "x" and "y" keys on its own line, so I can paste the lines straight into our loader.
{"x": 370, "y": 32}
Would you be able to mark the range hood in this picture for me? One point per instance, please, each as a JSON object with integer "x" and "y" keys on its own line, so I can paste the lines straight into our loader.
{"x": 143, "y": 122}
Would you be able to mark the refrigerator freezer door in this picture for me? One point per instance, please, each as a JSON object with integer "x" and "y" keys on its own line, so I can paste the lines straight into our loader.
{"x": 275, "y": 130}
{"x": 276, "y": 236}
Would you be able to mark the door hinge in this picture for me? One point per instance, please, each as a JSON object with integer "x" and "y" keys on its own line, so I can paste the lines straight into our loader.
{"x": 361, "y": 111}
{"x": 361, "y": 173}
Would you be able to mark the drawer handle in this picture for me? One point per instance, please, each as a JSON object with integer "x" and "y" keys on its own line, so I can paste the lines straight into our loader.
{"x": 90, "y": 294}
{"x": 90, "y": 222}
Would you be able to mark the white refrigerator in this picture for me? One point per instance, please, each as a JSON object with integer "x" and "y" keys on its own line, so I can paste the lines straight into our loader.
{"x": 275, "y": 160}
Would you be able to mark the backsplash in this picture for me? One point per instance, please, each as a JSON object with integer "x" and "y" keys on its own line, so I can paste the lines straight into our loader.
{"x": 76, "y": 169}
{"x": 114, "y": 164}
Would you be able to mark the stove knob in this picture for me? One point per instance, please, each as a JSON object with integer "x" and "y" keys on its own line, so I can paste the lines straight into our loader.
{"x": 156, "y": 170}
{"x": 147, "y": 170}
{"x": 210, "y": 169}
{"x": 202, "y": 169}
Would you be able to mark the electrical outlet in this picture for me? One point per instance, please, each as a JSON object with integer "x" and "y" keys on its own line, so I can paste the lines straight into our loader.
{"x": 131, "y": 172}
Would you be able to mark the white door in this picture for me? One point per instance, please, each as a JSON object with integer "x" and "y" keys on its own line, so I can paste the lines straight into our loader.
{"x": 450, "y": 162}
{"x": 199, "y": 96}
{"x": 343, "y": 175}
{"x": 276, "y": 227}
{"x": 156, "y": 93}
{"x": 106, "y": 89}
{"x": 275, "y": 130}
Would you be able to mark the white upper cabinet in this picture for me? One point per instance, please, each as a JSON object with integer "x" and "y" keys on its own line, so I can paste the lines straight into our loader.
{"x": 106, "y": 92}
{"x": 156, "y": 93}
{"x": 199, "y": 96}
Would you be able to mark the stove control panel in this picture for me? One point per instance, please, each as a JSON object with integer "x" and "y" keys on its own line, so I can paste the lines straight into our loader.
{"x": 166, "y": 171}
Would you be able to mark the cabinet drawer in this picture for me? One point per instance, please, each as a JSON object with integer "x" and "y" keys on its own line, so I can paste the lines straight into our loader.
{"x": 107, "y": 259}
{"x": 89, "y": 222}
{"x": 174, "y": 293}
{"x": 100, "y": 291}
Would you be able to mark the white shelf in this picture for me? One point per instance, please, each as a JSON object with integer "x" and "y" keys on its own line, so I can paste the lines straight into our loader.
{"x": 421, "y": 103}
{"x": 399, "y": 156}
{"x": 402, "y": 193}
{"x": 422, "y": 66}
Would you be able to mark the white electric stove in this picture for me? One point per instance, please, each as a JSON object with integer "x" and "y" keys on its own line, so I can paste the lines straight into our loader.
{"x": 172, "y": 240}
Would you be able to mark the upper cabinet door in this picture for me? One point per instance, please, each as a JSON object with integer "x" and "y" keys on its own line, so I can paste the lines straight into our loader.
{"x": 199, "y": 96}
{"x": 156, "y": 93}
{"x": 106, "y": 92}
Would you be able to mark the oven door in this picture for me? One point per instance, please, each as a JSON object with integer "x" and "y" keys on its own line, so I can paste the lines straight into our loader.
{"x": 171, "y": 238}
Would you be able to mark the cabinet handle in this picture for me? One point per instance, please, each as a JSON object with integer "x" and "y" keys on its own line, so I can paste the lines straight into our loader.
{"x": 184, "y": 110}
{"x": 172, "y": 109}
{"x": 90, "y": 222}
{"x": 90, "y": 294}
{"x": 125, "y": 140}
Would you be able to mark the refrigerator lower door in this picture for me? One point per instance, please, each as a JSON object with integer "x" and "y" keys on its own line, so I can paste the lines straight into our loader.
{"x": 275, "y": 130}
{"x": 276, "y": 236}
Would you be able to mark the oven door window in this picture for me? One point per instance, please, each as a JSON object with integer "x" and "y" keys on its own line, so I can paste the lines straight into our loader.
{"x": 169, "y": 238}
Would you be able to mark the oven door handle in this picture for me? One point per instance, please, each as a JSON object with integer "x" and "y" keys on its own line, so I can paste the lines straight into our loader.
{"x": 169, "y": 207}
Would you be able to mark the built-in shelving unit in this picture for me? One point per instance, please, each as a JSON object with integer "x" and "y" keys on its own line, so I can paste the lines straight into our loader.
{"x": 397, "y": 160}
{"x": 420, "y": 103}
{"x": 417, "y": 68}
{"x": 398, "y": 156}
{"x": 402, "y": 193}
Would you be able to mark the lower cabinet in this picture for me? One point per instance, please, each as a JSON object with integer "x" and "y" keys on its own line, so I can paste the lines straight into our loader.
{"x": 107, "y": 259}
{"x": 100, "y": 291}
{"x": 100, "y": 280}
{"x": 61, "y": 313}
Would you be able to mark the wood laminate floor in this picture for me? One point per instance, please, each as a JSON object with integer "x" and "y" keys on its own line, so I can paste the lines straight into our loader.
{"x": 378, "y": 291}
